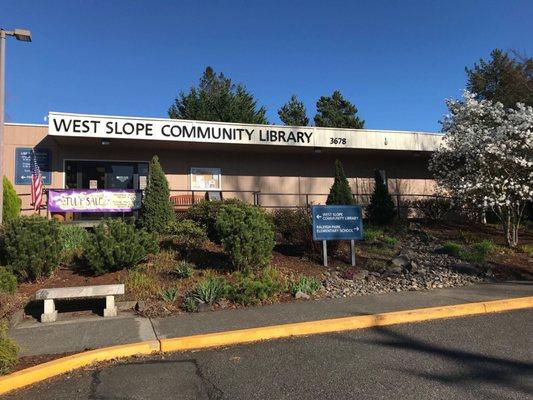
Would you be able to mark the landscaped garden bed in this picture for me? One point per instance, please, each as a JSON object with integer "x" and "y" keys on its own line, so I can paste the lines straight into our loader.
{"x": 229, "y": 254}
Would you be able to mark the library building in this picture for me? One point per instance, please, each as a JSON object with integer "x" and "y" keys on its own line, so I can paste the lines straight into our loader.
{"x": 95, "y": 165}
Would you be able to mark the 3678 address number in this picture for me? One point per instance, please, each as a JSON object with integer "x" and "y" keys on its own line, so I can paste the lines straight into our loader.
{"x": 337, "y": 140}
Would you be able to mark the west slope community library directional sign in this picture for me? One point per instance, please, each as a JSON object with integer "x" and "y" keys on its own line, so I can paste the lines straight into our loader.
{"x": 337, "y": 223}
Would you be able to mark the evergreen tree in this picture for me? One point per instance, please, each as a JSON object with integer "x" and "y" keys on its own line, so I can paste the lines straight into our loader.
{"x": 156, "y": 210}
{"x": 11, "y": 207}
{"x": 340, "y": 192}
{"x": 337, "y": 112}
{"x": 381, "y": 208}
{"x": 293, "y": 113}
{"x": 217, "y": 99}
{"x": 502, "y": 78}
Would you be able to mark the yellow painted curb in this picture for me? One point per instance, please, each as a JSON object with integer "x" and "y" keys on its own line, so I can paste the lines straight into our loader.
{"x": 340, "y": 324}
{"x": 53, "y": 368}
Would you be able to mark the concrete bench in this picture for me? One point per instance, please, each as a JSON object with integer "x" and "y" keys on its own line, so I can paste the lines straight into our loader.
{"x": 50, "y": 295}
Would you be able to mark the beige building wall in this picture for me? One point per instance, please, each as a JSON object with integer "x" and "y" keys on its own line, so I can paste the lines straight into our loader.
{"x": 285, "y": 176}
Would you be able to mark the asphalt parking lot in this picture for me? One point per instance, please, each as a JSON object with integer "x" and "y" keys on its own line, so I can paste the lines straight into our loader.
{"x": 482, "y": 357}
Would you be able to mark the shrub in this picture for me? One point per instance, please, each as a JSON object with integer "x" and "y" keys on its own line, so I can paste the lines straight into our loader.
{"x": 527, "y": 248}
{"x": 209, "y": 290}
{"x": 170, "y": 295}
{"x": 184, "y": 269}
{"x": 205, "y": 213}
{"x": 371, "y": 234}
{"x": 190, "y": 304}
{"x": 11, "y": 207}
{"x": 246, "y": 235}
{"x": 8, "y": 351}
{"x": 32, "y": 246}
{"x": 309, "y": 285}
{"x": 187, "y": 235}
{"x": 8, "y": 281}
{"x": 156, "y": 211}
{"x": 434, "y": 209}
{"x": 381, "y": 208}
{"x": 251, "y": 289}
{"x": 340, "y": 192}
{"x": 115, "y": 245}
{"x": 294, "y": 226}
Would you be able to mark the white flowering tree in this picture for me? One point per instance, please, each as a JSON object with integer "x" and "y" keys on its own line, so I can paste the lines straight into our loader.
{"x": 486, "y": 158}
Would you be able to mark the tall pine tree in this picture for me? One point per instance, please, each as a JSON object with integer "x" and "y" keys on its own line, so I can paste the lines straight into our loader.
{"x": 293, "y": 113}
{"x": 156, "y": 210}
{"x": 337, "y": 112}
{"x": 217, "y": 99}
{"x": 502, "y": 78}
{"x": 340, "y": 192}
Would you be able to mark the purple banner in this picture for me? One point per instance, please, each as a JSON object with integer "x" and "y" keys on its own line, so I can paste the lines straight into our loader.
{"x": 94, "y": 200}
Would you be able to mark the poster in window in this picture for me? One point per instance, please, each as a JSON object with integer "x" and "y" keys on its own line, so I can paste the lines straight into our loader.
{"x": 205, "y": 179}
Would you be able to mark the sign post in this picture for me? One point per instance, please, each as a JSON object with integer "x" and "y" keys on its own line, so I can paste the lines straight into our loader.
{"x": 337, "y": 223}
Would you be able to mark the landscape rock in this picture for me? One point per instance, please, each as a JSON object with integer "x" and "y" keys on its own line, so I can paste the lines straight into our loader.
{"x": 301, "y": 295}
{"x": 361, "y": 274}
{"x": 401, "y": 261}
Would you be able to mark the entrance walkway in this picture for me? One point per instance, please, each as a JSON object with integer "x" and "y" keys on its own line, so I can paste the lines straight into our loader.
{"x": 78, "y": 334}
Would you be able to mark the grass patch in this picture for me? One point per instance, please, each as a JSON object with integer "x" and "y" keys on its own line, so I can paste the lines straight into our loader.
{"x": 140, "y": 285}
{"x": 250, "y": 289}
{"x": 170, "y": 295}
{"x": 372, "y": 235}
{"x": 184, "y": 269}
{"x": 475, "y": 253}
{"x": 306, "y": 284}
{"x": 390, "y": 240}
{"x": 527, "y": 248}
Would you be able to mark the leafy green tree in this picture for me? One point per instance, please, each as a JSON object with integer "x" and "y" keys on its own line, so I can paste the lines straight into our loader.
{"x": 381, "y": 208}
{"x": 217, "y": 99}
{"x": 502, "y": 78}
{"x": 156, "y": 211}
{"x": 337, "y": 112}
{"x": 293, "y": 113}
{"x": 11, "y": 207}
{"x": 340, "y": 192}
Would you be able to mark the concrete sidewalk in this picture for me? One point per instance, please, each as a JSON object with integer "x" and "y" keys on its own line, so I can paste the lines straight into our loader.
{"x": 78, "y": 334}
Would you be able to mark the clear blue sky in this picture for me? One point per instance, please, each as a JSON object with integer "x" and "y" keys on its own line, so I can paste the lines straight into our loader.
{"x": 396, "y": 60}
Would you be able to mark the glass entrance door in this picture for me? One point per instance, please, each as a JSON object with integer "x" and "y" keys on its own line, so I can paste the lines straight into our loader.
{"x": 121, "y": 176}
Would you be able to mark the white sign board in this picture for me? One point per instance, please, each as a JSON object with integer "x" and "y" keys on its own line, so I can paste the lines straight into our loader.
{"x": 108, "y": 127}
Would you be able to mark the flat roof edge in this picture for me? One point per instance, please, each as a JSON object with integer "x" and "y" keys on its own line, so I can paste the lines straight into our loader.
{"x": 246, "y": 124}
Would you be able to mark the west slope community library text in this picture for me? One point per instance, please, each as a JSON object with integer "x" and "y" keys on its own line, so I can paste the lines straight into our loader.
{"x": 275, "y": 166}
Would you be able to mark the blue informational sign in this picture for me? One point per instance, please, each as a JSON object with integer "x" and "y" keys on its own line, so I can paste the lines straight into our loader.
{"x": 23, "y": 160}
{"x": 337, "y": 223}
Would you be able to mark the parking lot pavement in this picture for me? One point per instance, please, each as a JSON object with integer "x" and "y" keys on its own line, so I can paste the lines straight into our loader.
{"x": 482, "y": 357}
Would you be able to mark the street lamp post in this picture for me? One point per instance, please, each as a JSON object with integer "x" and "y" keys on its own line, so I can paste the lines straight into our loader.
{"x": 25, "y": 36}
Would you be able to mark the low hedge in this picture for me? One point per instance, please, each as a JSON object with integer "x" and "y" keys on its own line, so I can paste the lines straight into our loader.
{"x": 8, "y": 281}
{"x": 116, "y": 244}
{"x": 8, "y": 351}
{"x": 247, "y": 235}
{"x": 32, "y": 246}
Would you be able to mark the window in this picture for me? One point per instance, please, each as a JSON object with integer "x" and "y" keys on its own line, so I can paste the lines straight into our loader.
{"x": 205, "y": 179}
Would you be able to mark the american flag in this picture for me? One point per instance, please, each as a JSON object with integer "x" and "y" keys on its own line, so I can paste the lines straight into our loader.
{"x": 36, "y": 183}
